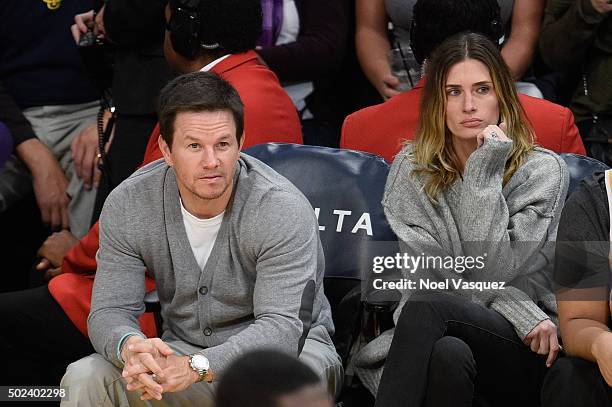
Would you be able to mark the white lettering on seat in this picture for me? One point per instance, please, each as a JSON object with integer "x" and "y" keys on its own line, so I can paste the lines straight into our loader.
{"x": 341, "y": 215}
{"x": 317, "y": 210}
{"x": 364, "y": 222}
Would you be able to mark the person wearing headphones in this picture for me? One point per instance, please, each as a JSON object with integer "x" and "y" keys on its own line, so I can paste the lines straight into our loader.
{"x": 209, "y": 36}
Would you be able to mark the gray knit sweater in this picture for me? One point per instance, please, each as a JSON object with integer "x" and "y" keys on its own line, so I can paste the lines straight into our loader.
{"x": 511, "y": 223}
{"x": 262, "y": 285}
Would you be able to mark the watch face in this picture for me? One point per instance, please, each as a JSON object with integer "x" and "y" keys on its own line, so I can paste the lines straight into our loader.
{"x": 200, "y": 362}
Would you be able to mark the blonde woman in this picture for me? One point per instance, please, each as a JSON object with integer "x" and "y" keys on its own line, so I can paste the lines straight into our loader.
{"x": 472, "y": 186}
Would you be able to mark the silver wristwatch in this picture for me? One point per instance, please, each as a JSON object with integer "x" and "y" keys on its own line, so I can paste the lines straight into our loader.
{"x": 200, "y": 364}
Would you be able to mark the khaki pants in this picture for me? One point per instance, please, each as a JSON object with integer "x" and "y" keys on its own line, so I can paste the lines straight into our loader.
{"x": 93, "y": 381}
{"x": 55, "y": 127}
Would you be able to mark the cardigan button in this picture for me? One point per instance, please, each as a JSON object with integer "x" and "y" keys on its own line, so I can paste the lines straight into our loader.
{"x": 207, "y": 331}
{"x": 203, "y": 290}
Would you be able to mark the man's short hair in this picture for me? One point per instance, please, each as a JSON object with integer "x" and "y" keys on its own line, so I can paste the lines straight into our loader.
{"x": 235, "y": 25}
{"x": 259, "y": 378}
{"x": 433, "y": 21}
{"x": 198, "y": 92}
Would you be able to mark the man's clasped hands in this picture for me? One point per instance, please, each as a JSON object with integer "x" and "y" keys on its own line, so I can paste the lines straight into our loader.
{"x": 152, "y": 368}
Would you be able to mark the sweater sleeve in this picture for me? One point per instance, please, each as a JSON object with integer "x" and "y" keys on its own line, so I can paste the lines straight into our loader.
{"x": 512, "y": 229}
{"x": 573, "y": 24}
{"x": 512, "y": 236}
{"x": 319, "y": 47}
{"x": 119, "y": 287}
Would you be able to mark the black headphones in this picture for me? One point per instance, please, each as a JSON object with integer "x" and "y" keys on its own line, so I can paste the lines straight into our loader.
{"x": 496, "y": 31}
{"x": 184, "y": 27}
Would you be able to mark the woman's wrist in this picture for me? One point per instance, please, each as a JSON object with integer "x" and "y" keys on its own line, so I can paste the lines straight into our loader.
{"x": 488, "y": 162}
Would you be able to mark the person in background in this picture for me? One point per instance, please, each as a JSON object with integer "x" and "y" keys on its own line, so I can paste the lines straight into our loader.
{"x": 305, "y": 43}
{"x": 135, "y": 28}
{"x": 221, "y": 48}
{"x": 382, "y": 128}
{"x": 471, "y": 185}
{"x": 268, "y": 378}
{"x": 577, "y": 39}
{"x": 582, "y": 276}
{"x": 46, "y": 100}
{"x": 521, "y": 20}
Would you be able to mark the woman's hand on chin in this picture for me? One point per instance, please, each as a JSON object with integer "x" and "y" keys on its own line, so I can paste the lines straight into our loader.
{"x": 492, "y": 132}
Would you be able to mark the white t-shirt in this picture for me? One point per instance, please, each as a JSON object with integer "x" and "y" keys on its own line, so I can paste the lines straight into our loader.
{"x": 202, "y": 234}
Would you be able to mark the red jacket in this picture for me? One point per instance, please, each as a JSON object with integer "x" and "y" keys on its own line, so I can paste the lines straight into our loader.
{"x": 382, "y": 128}
{"x": 269, "y": 115}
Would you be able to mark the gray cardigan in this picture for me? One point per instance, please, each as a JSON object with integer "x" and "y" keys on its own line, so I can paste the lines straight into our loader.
{"x": 261, "y": 287}
{"x": 514, "y": 224}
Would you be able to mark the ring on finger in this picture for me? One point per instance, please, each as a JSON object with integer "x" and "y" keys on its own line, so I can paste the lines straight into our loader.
{"x": 493, "y": 134}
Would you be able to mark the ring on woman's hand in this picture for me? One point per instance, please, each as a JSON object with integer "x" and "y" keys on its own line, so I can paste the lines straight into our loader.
{"x": 154, "y": 377}
{"x": 493, "y": 134}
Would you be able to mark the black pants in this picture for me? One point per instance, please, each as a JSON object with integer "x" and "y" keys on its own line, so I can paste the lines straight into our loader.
{"x": 125, "y": 154}
{"x": 24, "y": 234}
{"x": 575, "y": 382}
{"x": 37, "y": 340}
{"x": 449, "y": 352}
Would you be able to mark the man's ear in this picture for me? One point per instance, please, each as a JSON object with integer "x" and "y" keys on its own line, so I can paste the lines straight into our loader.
{"x": 241, "y": 142}
{"x": 165, "y": 150}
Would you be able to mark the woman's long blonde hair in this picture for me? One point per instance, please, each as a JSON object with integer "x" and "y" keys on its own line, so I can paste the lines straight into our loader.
{"x": 432, "y": 150}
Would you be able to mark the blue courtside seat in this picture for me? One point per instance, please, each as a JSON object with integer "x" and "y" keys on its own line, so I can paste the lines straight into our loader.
{"x": 345, "y": 189}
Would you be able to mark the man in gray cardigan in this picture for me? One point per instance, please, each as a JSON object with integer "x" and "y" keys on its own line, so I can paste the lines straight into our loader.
{"x": 235, "y": 253}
